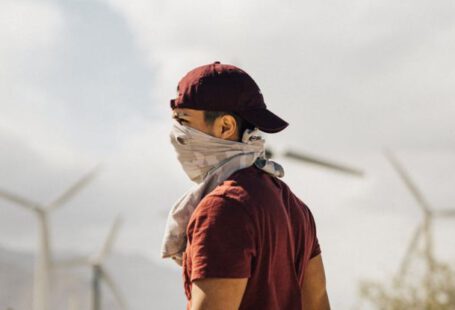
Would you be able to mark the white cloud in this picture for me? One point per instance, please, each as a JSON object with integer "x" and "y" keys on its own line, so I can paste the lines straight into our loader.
{"x": 361, "y": 68}
{"x": 26, "y": 25}
{"x": 28, "y": 31}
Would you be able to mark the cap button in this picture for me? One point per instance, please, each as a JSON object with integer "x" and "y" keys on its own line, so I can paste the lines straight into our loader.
{"x": 216, "y": 63}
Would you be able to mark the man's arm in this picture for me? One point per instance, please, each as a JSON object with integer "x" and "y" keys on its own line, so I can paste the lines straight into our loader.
{"x": 217, "y": 293}
{"x": 314, "y": 292}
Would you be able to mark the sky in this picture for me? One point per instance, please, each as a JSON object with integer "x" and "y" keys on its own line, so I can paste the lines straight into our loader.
{"x": 88, "y": 82}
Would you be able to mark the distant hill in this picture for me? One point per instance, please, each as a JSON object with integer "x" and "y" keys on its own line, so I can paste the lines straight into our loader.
{"x": 16, "y": 276}
{"x": 144, "y": 284}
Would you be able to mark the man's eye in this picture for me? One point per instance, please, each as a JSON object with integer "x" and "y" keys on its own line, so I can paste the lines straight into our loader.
{"x": 180, "y": 120}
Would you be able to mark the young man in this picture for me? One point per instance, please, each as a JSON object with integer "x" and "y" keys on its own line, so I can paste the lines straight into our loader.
{"x": 244, "y": 240}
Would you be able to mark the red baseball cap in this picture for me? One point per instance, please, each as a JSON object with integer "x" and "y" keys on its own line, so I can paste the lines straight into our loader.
{"x": 223, "y": 87}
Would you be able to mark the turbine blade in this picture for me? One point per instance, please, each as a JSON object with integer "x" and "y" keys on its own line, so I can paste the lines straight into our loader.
{"x": 323, "y": 162}
{"x": 18, "y": 200}
{"x": 108, "y": 244}
{"x": 444, "y": 213}
{"x": 113, "y": 287}
{"x": 424, "y": 205}
{"x": 74, "y": 189}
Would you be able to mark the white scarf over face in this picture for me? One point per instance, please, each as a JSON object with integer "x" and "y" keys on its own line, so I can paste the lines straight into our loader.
{"x": 208, "y": 161}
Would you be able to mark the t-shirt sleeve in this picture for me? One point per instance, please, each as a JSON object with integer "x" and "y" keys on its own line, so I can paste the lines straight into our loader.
{"x": 316, "y": 249}
{"x": 221, "y": 236}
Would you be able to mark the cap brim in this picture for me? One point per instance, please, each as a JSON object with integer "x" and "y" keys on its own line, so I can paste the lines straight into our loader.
{"x": 264, "y": 120}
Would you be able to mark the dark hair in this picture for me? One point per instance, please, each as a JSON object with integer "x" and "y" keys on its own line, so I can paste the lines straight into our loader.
{"x": 242, "y": 124}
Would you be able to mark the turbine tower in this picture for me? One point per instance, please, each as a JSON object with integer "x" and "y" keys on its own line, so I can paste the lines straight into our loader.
{"x": 101, "y": 274}
{"x": 99, "y": 271}
{"x": 44, "y": 259}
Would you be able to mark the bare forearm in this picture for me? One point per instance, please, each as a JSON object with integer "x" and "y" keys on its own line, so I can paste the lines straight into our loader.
{"x": 217, "y": 293}
{"x": 314, "y": 291}
{"x": 316, "y": 302}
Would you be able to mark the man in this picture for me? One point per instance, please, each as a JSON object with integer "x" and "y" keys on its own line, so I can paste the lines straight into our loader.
{"x": 244, "y": 240}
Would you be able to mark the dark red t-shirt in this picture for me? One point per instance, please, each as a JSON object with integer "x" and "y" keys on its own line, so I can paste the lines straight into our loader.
{"x": 252, "y": 226}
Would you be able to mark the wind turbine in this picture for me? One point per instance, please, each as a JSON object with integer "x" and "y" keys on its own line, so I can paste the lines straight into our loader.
{"x": 430, "y": 287}
{"x": 423, "y": 231}
{"x": 44, "y": 259}
{"x": 99, "y": 272}
{"x": 316, "y": 160}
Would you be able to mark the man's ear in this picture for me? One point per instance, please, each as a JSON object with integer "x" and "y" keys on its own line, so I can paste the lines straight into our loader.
{"x": 226, "y": 128}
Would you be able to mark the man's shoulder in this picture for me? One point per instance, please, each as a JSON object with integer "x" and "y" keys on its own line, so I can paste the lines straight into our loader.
{"x": 235, "y": 191}
{"x": 227, "y": 201}
{"x": 242, "y": 185}
{"x": 251, "y": 187}
{"x": 245, "y": 188}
